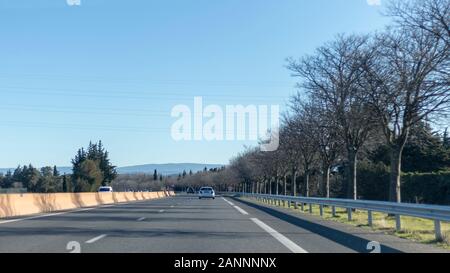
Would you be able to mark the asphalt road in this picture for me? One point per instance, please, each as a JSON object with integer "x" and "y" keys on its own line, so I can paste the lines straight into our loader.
{"x": 185, "y": 224}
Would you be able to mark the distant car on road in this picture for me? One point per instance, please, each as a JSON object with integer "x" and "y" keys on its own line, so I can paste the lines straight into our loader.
{"x": 105, "y": 189}
{"x": 206, "y": 192}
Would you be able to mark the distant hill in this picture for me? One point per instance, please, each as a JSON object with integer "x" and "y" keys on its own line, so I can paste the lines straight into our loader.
{"x": 164, "y": 169}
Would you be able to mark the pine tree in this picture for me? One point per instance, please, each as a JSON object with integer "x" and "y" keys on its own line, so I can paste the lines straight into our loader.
{"x": 55, "y": 171}
{"x": 98, "y": 156}
{"x": 90, "y": 177}
{"x": 155, "y": 175}
{"x": 64, "y": 183}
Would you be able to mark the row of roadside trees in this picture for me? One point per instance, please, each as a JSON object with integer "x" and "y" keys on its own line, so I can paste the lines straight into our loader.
{"x": 359, "y": 95}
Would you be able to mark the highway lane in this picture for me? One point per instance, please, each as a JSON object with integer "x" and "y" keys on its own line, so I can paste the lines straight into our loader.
{"x": 184, "y": 224}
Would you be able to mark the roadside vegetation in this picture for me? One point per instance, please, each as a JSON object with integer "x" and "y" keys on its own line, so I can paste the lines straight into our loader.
{"x": 415, "y": 229}
{"x": 91, "y": 169}
{"x": 369, "y": 120}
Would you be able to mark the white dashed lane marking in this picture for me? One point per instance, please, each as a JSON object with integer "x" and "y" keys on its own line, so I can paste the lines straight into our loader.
{"x": 95, "y": 239}
{"x": 280, "y": 237}
{"x": 241, "y": 210}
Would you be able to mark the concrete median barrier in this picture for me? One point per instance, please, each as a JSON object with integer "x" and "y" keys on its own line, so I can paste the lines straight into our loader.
{"x": 33, "y": 203}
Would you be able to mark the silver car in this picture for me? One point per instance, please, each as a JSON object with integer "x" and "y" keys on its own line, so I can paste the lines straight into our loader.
{"x": 206, "y": 192}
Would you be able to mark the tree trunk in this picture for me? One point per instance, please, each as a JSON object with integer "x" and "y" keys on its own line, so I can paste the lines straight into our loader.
{"x": 276, "y": 185}
{"x": 307, "y": 184}
{"x": 396, "y": 166}
{"x": 326, "y": 178}
{"x": 294, "y": 183}
{"x": 285, "y": 184}
{"x": 270, "y": 186}
{"x": 352, "y": 181}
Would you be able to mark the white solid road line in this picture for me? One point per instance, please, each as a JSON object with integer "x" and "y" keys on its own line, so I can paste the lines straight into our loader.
{"x": 86, "y": 209}
{"x": 231, "y": 204}
{"x": 141, "y": 219}
{"x": 241, "y": 210}
{"x": 161, "y": 210}
{"x": 93, "y": 240}
{"x": 63, "y": 212}
{"x": 280, "y": 237}
{"x": 33, "y": 217}
{"x": 44, "y": 215}
{"x": 236, "y": 207}
{"x": 59, "y": 213}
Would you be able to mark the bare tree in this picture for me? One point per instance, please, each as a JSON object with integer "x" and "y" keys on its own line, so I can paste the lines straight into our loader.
{"x": 292, "y": 154}
{"x": 331, "y": 76}
{"x": 327, "y": 139}
{"x": 432, "y": 16}
{"x": 408, "y": 82}
{"x": 302, "y": 140}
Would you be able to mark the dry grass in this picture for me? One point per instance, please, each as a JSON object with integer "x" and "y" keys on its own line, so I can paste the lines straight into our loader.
{"x": 415, "y": 229}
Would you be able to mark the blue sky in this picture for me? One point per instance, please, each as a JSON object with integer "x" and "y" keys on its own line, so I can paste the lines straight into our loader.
{"x": 113, "y": 70}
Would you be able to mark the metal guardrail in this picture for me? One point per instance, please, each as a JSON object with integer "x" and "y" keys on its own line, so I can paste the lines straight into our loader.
{"x": 433, "y": 212}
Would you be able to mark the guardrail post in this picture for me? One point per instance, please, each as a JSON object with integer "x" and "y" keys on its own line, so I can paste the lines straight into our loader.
{"x": 333, "y": 211}
{"x": 310, "y": 208}
{"x": 289, "y": 204}
{"x": 398, "y": 223}
{"x": 295, "y": 205}
{"x": 302, "y": 206}
{"x": 321, "y": 210}
{"x": 437, "y": 230}
{"x": 369, "y": 218}
{"x": 349, "y": 214}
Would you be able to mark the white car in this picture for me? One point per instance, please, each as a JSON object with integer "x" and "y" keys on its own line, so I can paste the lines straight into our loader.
{"x": 206, "y": 192}
{"x": 105, "y": 189}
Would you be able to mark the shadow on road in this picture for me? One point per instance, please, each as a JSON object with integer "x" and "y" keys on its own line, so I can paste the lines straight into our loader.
{"x": 348, "y": 240}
